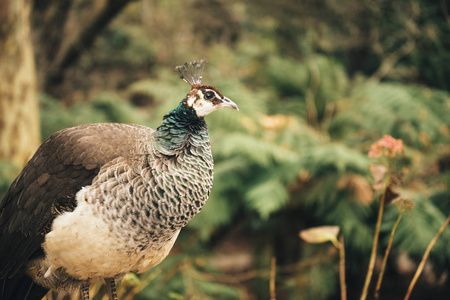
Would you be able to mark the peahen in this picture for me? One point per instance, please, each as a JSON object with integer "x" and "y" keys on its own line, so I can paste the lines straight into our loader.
{"x": 97, "y": 201}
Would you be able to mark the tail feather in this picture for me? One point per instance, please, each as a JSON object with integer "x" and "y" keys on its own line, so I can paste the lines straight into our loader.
{"x": 21, "y": 287}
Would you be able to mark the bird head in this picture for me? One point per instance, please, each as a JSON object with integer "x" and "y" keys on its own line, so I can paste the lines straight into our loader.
{"x": 203, "y": 98}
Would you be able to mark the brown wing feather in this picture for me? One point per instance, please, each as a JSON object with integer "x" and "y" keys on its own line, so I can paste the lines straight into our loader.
{"x": 65, "y": 162}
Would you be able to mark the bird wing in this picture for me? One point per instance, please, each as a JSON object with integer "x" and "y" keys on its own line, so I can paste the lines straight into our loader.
{"x": 62, "y": 165}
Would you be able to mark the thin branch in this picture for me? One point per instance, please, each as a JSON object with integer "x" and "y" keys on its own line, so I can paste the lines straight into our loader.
{"x": 273, "y": 268}
{"x": 311, "y": 107}
{"x": 342, "y": 268}
{"x": 377, "y": 234}
{"x": 71, "y": 51}
{"x": 386, "y": 254}
{"x": 390, "y": 60}
{"x": 425, "y": 257}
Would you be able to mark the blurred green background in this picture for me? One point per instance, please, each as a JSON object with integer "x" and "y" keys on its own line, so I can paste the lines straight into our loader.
{"x": 317, "y": 82}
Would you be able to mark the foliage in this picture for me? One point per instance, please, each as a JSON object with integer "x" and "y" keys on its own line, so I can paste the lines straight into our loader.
{"x": 7, "y": 173}
{"x": 188, "y": 282}
{"x": 105, "y": 107}
{"x": 409, "y": 113}
{"x": 316, "y": 85}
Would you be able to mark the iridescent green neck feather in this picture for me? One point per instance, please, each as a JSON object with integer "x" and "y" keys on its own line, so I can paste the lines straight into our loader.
{"x": 176, "y": 128}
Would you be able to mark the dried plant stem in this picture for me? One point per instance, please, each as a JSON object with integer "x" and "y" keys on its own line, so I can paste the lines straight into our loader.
{"x": 342, "y": 268}
{"x": 376, "y": 235}
{"x": 424, "y": 258}
{"x": 386, "y": 254}
{"x": 273, "y": 267}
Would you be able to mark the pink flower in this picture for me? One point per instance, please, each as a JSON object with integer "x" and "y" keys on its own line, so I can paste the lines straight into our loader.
{"x": 387, "y": 145}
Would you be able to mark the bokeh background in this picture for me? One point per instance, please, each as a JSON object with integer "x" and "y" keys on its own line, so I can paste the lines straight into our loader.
{"x": 317, "y": 82}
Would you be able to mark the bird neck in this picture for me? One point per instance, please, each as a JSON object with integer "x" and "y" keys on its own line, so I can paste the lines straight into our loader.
{"x": 177, "y": 127}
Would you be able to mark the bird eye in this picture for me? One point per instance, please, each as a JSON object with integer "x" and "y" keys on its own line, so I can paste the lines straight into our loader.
{"x": 209, "y": 95}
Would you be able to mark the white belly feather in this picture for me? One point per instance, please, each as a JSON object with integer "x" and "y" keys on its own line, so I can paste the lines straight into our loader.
{"x": 83, "y": 244}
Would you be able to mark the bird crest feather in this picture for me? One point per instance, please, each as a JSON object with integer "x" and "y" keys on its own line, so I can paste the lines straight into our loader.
{"x": 191, "y": 72}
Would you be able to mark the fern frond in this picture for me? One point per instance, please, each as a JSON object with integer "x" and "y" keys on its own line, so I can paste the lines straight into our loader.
{"x": 403, "y": 112}
{"x": 253, "y": 149}
{"x": 335, "y": 158}
{"x": 419, "y": 226}
{"x": 267, "y": 196}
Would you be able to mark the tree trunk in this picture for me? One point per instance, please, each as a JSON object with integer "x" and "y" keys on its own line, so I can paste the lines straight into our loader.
{"x": 19, "y": 108}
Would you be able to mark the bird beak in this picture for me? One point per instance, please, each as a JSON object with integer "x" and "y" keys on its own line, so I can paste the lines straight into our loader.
{"x": 226, "y": 102}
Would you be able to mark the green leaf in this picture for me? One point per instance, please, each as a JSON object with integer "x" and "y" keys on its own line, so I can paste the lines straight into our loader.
{"x": 221, "y": 291}
{"x": 267, "y": 197}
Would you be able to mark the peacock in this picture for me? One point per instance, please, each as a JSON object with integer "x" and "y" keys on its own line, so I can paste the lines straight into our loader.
{"x": 97, "y": 201}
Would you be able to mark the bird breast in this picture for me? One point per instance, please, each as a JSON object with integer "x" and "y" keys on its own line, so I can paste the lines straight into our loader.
{"x": 82, "y": 244}
{"x": 129, "y": 217}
